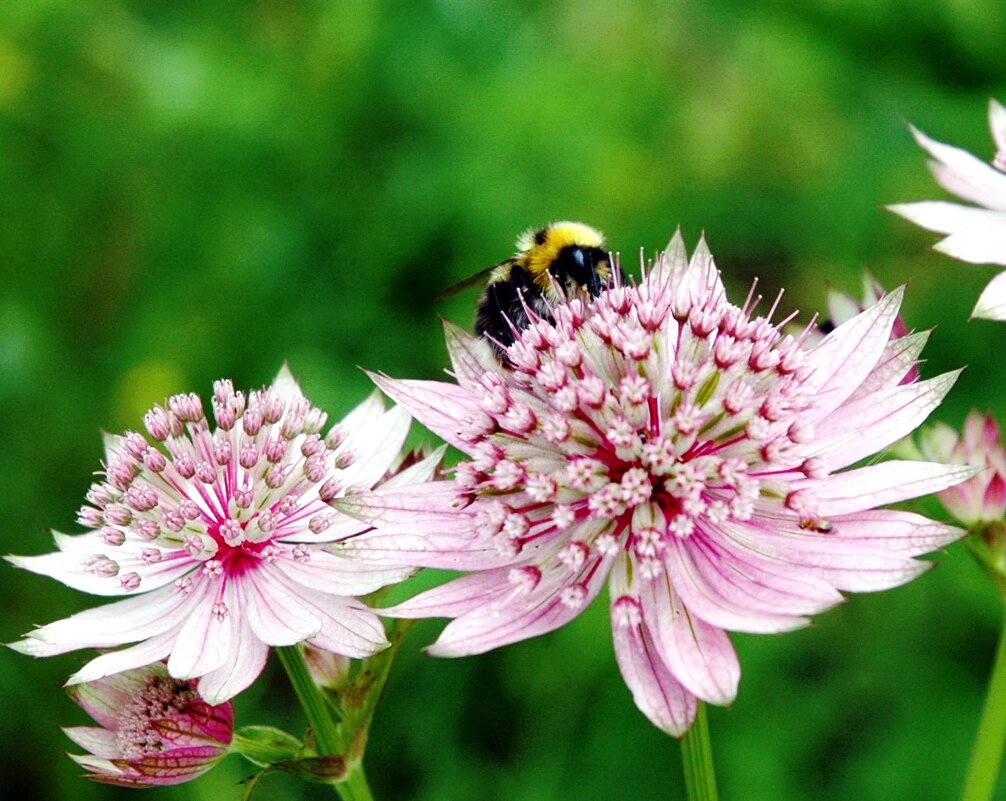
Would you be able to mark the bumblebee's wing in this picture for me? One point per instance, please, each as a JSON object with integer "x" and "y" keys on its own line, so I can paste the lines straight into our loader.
{"x": 481, "y": 277}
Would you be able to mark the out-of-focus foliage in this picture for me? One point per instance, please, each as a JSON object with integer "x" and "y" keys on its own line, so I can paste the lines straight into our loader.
{"x": 192, "y": 190}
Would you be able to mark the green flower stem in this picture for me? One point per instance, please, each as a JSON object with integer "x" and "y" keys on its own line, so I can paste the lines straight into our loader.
{"x": 327, "y": 736}
{"x": 326, "y": 733}
{"x": 697, "y": 756}
{"x": 987, "y": 753}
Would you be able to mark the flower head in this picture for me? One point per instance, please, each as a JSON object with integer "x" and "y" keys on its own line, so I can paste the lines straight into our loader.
{"x": 981, "y": 499}
{"x": 684, "y": 449}
{"x": 976, "y": 234}
{"x": 219, "y": 532}
{"x": 153, "y": 729}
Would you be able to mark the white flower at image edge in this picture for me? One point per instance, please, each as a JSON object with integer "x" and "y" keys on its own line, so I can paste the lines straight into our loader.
{"x": 220, "y": 533}
{"x": 975, "y": 234}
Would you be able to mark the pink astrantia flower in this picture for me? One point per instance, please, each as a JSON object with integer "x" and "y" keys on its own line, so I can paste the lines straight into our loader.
{"x": 976, "y": 234}
{"x": 220, "y": 534}
{"x": 982, "y": 498}
{"x": 680, "y": 447}
{"x": 153, "y": 729}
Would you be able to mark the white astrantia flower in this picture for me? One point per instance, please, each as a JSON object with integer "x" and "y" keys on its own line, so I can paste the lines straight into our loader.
{"x": 220, "y": 533}
{"x": 975, "y": 234}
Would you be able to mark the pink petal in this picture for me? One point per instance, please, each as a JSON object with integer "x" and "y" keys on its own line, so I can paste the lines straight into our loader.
{"x": 455, "y": 598}
{"x": 446, "y": 551}
{"x": 884, "y": 483}
{"x": 900, "y": 357}
{"x": 700, "y": 656}
{"x": 275, "y": 609}
{"x": 470, "y": 357}
{"x": 992, "y": 303}
{"x": 965, "y": 175}
{"x": 103, "y": 699}
{"x": 903, "y": 533}
{"x": 846, "y": 565}
{"x": 845, "y": 357}
{"x": 659, "y": 696}
{"x": 246, "y": 660}
{"x": 863, "y": 427}
{"x": 439, "y": 406}
{"x": 719, "y": 597}
{"x": 440, "y": 503}
{"x": 511, "y": 620}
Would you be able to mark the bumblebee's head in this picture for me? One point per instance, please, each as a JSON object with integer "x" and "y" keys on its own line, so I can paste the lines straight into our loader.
{"x": 570, "y": 253}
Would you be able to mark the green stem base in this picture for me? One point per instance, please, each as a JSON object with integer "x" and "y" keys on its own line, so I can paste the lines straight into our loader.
{"x": 987, "y": 753}
{"x": 697, "y": 757}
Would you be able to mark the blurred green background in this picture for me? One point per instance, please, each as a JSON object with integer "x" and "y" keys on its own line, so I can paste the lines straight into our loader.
{"x": 193, "y": 190}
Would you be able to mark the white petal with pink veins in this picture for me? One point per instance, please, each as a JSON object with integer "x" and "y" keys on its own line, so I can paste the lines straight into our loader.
{"x": 845, "y": 357}
{"x": 863, "y": 427}
{"x": 340, "y": 575}
{"x": 204, "y": 640}
{"x": 884, "y": 483}
{"x": 114, "y": 624}
{"x": 904, "y": 533}
{"x": 144, "y": 653}
{"x": 716, "y": 600}
{"x": 699, "y": 655}
{"x": 659, "y": 696}
{"x": 470, "y": 356}
{"x": 439, "y": 406}
{"x": 275, "y": 611}
{"x": 347, "y": 626}
{"x": 380, "y": 451}
{"x": 511, "y": 620}
{"x": 245, "y": 662}
{"x": 457, "y": 597}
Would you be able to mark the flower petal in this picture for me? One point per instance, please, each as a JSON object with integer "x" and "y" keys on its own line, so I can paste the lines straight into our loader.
{"x": 865, "y": 426}
{"x": 275, "y": 609}
{"x": 338, "y": 575}
{"x": 884, "y": 483}
{"x": 947, "y": 218}
{"x": 439, "y": 406}
{"x": 659, "y": 696}
{"x": 844, "y": 358}
{"x": 455, "y": 598}
{"x": 347, "y": 626}
{"x": 245, "y": 662}
{"x": 904, "y": 533}
{"x": 699, "y": 655}
{"x": 146, "y": 652}
{"x": 992, "y": 303}
{"x": 95, "y": 740}
{"x": 965, "y": 175}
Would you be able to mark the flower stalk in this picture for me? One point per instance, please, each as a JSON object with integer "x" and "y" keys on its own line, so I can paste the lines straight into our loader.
{"x": 990, "y": 742}
{"x": 697, "y": 757}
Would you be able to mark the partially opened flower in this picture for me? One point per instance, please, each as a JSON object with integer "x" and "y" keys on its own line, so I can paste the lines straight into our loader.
{"x": 219, "y": 534}
{"x": 976, "y": 234}
{"x": 153, "y": 729}
{"x": 679, "y": 447}
{"x": 981, "y": 499}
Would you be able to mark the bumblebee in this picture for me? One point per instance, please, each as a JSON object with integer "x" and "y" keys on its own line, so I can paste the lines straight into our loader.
{"x": 560, "y": 261}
